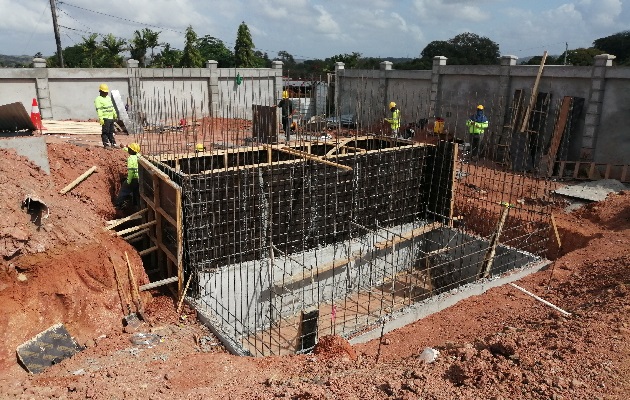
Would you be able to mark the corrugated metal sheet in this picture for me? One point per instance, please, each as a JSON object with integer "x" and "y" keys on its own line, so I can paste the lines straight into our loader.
{"x": 14, "y": 118}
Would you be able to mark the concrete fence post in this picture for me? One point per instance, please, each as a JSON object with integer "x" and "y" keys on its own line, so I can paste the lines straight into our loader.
{"x": 41, "y": 88}
{"x": 133, "y": 74}
{"x": 594, "y": 105}
{"x": 213, "y": 87}
{"x": 339, "y": 67}
{"x": 383, "y": 84}
{"x": 434, "y": 99}
{"x": 276, "y": 67}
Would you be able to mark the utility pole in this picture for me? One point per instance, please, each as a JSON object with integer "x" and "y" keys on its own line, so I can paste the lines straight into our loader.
{"x": 56, "y": 27}
{"x": 566, "y": 50}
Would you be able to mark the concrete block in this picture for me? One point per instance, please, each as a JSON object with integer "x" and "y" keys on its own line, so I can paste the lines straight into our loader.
{"x": 33, "y": 148}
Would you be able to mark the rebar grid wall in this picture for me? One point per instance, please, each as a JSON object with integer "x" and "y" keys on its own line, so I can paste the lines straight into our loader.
{"x": 339, "y": 228}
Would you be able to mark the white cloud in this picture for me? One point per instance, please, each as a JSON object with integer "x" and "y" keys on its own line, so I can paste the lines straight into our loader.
{"x": 452, "y": 9}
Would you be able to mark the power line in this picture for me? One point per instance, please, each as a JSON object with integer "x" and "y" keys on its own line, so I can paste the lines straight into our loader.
{"x": 121, "y": 18}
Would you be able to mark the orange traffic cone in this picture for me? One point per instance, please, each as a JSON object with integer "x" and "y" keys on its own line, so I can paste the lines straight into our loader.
{"x": 36, "y": 116}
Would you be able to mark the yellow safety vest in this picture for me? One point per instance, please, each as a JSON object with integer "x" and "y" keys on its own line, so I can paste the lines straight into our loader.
{"x": 394, "y": 121}
{"x": 105, "y": 108}
{"x": 132, "y": 168}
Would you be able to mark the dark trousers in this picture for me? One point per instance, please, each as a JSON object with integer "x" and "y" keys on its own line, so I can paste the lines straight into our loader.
{"x": 127, "y": 190}
{"x": 475, "y": 144}
{"x": 286, "y": 125}
{"x": 107, "y": 133}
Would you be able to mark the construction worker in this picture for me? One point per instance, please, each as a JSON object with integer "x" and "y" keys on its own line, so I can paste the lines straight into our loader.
{"x": 200, "y": 148}
{"x": 130, "y": 189}
{"x": 476, "y": 124}
{"x": 106, "y": 116}
{"x": 287, "y": 112}
{"x": 394, "y": 121}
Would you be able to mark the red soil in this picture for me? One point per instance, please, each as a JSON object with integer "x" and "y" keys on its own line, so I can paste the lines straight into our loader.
{"x": 502, "y": 344}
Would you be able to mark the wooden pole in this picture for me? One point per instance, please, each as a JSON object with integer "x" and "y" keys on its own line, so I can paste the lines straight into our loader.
{"x": 311, "y": 157}
{"x": 488, "y": 260}
{"x": 78, "y": 180}
{"x": 565, "y": 313}
{"x": 114, "y": 223}
{"x": 183, "y": 295}
{"x": 532, "y": 99}
{"x": 134, "y": 290}
{"x": 135, "y": 228}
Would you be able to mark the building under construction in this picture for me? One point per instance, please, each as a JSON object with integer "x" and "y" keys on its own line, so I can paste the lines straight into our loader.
{"x": 342, "y": 230}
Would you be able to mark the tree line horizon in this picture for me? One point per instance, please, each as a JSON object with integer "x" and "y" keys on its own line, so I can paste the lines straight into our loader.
{"x": 463, "y": 49}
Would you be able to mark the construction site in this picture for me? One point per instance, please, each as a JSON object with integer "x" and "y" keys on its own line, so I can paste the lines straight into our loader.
{"x": 341, "y": 258}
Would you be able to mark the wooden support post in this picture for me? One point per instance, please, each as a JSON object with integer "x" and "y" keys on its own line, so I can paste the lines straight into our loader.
{"x": 136, "y": 235}
{"x": 114, "y": 223}
{"x": 135, "y": 228}
{"x": 80, "y": 179}
{"x": 147, "y": 251}
{"x": 486, "y": 266}
{"x": 408, "y": 235}
{"x": 183, "y": 295}
{"x": 555, "y": 230}
{"x": 532, "y": 99}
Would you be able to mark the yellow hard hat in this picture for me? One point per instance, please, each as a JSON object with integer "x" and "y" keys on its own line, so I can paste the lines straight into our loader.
{"x": 285, "y": 94}
{"x": 103, "y": 88}
{"x": 480, "y": 107}
{"x": 392, "y": 105}
{"x": 200, "y": 147}
{"x": 135, "y": 147}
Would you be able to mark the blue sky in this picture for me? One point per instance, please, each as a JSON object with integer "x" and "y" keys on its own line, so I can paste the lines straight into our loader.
{"x": 322, "y": 28}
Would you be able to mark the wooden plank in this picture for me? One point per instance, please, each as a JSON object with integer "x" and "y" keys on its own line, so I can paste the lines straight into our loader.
{"x": 563, "y": 164}
{"x": 607, "y": 173}
{"x": 308, "y": 156}
{"x": 624, "y": 173}
{"x": 408, "y": 235}
{"x": 555, "y": 230}
{"x": 591, "y": 171}
{"x": 153, "y": 169}
{"x": 180, "y": 245}
{"x": 486, "y": 266}
{"x": 114, "y": 223}
{"x": 556, "y": 138}
{"x": 576, "y": 171}
{"x": 155, "y": 284}
{"x": 80, "y": 179}
{"x": 136, "y": 234}
{"x": 147, "y": 251}
{"x": 451, "y": 209}
{"x": 337, "y": 146}
{"x": 135, "y": 228}
{"x": 532, "y": 99}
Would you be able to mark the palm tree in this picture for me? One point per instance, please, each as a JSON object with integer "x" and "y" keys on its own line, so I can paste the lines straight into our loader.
{"x": 90, "y": 47}
{"x": 114, "y": 47}
{"x": 138, "y": 48}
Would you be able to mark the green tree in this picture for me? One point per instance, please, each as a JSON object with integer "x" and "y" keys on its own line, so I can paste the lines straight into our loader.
{"x": 91, "y": 49}
{"x": 286, "y": 58}
{"x": 617, "y": 45}
{"x": 168, "y": 57}
{"x": 112, "y": 47}
{"x": 581, "y": 57}
{"x": 73, "y": 57}
{"x": 138, "y": 48}
{"x": 244, "y": 56}
{"x": 151, "y": 38}
{"x": 351, "y": 61}
{"x": 261, "y": 60}
{"x": 464, "y": 49}
{"x": 191, "y": 57}
{"x": 551, "y": 60}
{"x": 212, "y": 48}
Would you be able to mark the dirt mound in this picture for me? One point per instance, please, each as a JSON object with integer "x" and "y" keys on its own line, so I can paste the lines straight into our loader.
{"x": 56, "y": 261}
{"x": 333, "y": 346}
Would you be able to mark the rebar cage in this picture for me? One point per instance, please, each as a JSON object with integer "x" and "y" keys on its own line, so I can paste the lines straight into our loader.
{"x": 330, "y": 232}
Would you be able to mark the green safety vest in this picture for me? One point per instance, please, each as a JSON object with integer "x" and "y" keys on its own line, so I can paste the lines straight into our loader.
{"x": 105, "y": 108}
{"x": 476, "y": 128}
{"x": 394, "y": 121}
{"x": 132, "y": 168}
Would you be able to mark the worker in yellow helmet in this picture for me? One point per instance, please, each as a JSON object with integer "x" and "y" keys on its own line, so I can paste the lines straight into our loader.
{"x": 394, "y": 121}
{"x": 477, "y": 124}
{"x": 287, "y": 111}
{"x": 130, "y": 188}
{"x": 106, "y": 116}
{"x": 199, "y": 148}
